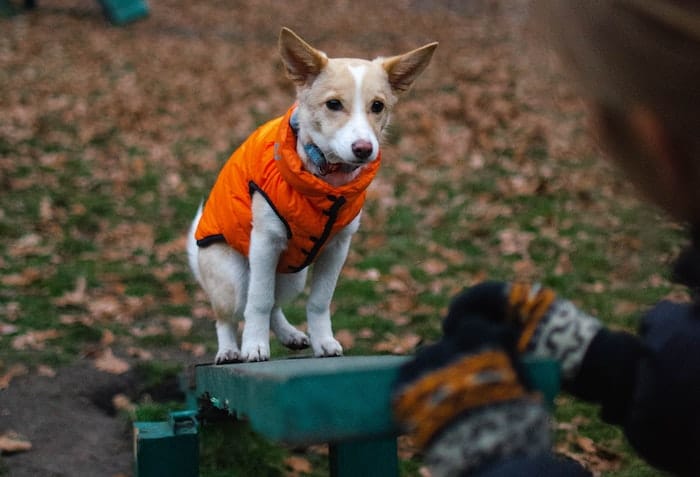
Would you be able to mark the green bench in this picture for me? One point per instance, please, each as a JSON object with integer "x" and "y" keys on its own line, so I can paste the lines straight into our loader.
{"x": 119, "y": 12}
{"x": 344, "y": 402}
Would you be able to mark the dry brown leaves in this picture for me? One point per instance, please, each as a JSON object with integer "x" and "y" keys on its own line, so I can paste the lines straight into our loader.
{"x": 595, "y": 457}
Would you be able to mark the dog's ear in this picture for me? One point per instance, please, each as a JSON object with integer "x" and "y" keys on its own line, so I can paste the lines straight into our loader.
{"x": 302, "y": 61}
{"x": 404, "y": 69}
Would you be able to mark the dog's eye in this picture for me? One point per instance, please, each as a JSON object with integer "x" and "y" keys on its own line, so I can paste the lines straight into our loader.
{"x": 377, "y": 107}
{"x": 334, "y": 105}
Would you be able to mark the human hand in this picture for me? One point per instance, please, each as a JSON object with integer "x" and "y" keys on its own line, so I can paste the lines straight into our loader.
{"x": 465, "y": 399}
{"x": 547, "y": 326}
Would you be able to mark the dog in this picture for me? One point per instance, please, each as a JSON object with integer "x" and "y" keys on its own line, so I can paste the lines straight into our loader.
{"x": 291, "y": 195}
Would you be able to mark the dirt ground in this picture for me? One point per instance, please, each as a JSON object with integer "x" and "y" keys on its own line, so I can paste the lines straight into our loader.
{"x": 71, "y": 422}
{"x": 66, "y": 420}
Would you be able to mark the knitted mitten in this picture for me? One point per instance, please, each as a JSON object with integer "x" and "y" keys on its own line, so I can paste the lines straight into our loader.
{"x": 548, "y": 326}
{"x": 466, "y": 402}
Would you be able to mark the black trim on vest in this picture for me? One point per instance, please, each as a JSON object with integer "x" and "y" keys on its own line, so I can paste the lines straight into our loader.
{"x": 253, "y": 187}
{"x": 332, "y": 213}
{"x": 210, "y": 239}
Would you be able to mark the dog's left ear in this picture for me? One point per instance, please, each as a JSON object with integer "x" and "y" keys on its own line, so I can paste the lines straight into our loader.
{"x": 404, "y": 69}
{"x": 302, "y": 61}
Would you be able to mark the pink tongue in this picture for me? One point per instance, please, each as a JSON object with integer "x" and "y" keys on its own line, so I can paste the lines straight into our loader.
{"x": 330, "y": 168}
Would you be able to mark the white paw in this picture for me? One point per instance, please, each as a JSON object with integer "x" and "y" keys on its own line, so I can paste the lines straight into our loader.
{"x": 327, "y": 347}
{"x": 295, "y": 339}
{"x": 228, "y": 355}
{"x": 255, "y": 352}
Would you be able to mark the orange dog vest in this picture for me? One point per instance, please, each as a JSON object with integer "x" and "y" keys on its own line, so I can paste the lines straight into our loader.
{"x": 312, "y": 210}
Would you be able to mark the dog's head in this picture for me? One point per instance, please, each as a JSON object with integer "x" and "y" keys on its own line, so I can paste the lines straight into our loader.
{"x": 344, "y": 103}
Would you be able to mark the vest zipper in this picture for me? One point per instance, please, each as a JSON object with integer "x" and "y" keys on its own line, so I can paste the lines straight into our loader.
{"x": 332, "y": 213}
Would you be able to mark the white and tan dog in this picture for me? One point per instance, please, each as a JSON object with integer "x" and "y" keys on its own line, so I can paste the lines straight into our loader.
{"x": 291, "y": 195}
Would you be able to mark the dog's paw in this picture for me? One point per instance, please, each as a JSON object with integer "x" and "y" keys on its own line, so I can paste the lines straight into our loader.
{"x": 255, "y": 352}
{"x": 295, "y": 340}
{"x": 327, "y": 347}
{"x": 224, "y": 356}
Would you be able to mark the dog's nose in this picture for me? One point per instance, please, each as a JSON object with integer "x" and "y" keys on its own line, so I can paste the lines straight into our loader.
{"x": 362, "y": 149}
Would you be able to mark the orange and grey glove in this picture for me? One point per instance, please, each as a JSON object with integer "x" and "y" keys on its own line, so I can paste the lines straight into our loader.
{"x": 548, "y": 326}
{"x": 466, "y": 401}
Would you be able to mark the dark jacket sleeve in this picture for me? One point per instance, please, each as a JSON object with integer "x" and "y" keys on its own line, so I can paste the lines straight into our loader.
{"x": 650, "y": 385}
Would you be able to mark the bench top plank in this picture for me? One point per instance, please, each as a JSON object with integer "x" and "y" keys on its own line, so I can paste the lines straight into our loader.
{"x": 307, "y": 400}
{"x": 314, "y": 400}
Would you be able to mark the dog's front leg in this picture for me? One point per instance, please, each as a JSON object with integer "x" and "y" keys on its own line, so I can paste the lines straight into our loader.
{"x": 268, "y": 239}
{"x": 323, "y": 281}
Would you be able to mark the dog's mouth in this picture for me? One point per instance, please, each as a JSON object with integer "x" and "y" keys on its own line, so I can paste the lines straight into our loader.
{"x": 323, "y": 166}
{"x": 327, "y": 168}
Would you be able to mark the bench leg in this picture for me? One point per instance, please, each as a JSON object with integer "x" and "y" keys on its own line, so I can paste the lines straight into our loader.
{"x": 370, "y": 458}
{"x": 167, "y": 448}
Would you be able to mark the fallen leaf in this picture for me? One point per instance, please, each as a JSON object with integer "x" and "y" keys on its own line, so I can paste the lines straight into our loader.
{"x": 28, "y": 245}
{"x": 24, "y": 278}
{"x": 34, "y": 339}
{"x": 105, "y": 307}
{"x": 121, "y": 402}
{"x": 515, "y": 241}
{"x": 196, "y": 349}
{"x": 593, "y": 456}
{"x": 398, "y": 344}
{"x": 596, "y": 287}
{"x": 106, "y": 361}
{"x": 107, "y": 338}
{"x": 150, "y": 330}
{"x": 46, "y": 371}
{"x": 46, "y": 209}
{"x": 76, "y": 297}
{"x": 12, "y": 310}
{"x": 10, "y": 374}
{"x": 73, "y": 319}
{"x": 586, "y": 444}
{"x": 181, "y": 326}
{"x": 298, "y": 465}
{"x": 139, "y": 353}
{"x": 7, "y": 329}
{"x": 345, "y": 338}
{"x": 178, "y": 293}
{"x": 396, "y": 284}
{"x": 11, "y": 442}
{"x": 434, "y": 266}
{"x": 624, "y": 307}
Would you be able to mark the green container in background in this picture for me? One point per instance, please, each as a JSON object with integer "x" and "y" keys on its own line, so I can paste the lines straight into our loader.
{"x": 120, "y": 12}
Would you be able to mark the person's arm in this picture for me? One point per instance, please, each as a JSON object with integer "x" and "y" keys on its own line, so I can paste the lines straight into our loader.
{"x": 647, "y": 384}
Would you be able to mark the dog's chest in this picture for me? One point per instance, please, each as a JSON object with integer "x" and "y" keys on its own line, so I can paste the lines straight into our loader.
{"x": 311, "y": 211}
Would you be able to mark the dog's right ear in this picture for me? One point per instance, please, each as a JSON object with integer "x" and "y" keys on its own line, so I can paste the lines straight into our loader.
{"x": 302, "y": 61}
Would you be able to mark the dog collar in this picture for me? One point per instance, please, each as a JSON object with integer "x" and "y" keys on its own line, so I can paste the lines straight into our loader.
{"x": 316, "y": 156}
